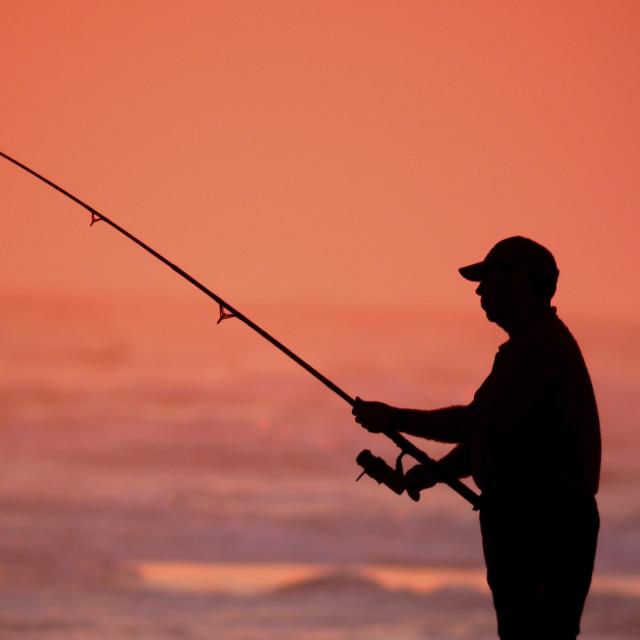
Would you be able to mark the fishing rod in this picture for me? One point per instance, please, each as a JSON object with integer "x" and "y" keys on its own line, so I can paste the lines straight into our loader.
{"x": 227, "y": 311}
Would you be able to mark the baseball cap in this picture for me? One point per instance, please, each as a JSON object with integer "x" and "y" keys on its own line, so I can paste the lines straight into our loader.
{"x": 516, "y": 251}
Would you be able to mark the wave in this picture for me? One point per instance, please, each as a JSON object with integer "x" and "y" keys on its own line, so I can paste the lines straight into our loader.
{"x": 333, "y": 581}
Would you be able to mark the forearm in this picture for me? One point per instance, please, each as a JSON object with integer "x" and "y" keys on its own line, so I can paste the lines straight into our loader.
{"x": 451, "y": 424}
{"x": 457, "y": 463}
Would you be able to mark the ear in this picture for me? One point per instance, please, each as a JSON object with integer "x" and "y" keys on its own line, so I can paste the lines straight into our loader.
{"x": 525, "y": 286}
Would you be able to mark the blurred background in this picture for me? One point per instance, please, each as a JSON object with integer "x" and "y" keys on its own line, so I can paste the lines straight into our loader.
{"x": 325, "y": 167}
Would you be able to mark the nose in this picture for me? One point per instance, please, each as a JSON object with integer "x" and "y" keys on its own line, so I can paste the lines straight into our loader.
{"x": 479, "y": 289}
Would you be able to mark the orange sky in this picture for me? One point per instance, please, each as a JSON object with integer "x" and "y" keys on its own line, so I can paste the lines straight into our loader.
{"x": 322, "y": 150}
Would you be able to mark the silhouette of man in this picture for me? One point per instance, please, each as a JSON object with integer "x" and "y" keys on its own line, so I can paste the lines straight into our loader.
{"x": 531, "y": 440}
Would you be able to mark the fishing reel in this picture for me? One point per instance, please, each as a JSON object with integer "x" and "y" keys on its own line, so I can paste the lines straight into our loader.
{"x": 394, "y": 478}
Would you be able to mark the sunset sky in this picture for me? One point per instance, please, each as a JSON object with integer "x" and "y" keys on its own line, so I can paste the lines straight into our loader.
{"x": 328, "y": 151}
{"x": 325, "y": 166}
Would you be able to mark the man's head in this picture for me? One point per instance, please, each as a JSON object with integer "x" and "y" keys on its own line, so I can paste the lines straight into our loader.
{"x": 516, "y": 277}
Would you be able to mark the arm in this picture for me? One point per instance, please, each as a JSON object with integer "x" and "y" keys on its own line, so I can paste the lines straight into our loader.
{"x": 456, "y": 464}
{"x": 450, "y": 424}
{"x": 514, "y": 385}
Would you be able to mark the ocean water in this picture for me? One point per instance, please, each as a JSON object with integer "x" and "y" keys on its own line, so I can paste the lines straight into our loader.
{"x": 164, "y": 477}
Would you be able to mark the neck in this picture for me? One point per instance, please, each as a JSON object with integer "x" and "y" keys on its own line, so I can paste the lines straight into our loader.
{"x": 523, "y": 319}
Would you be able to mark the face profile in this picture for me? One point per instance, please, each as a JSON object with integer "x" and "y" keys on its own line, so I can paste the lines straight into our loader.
{"x": 498, "y": 294}
{"x": 517, "y": 280}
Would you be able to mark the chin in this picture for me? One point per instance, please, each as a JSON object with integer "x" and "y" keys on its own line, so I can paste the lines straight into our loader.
{"x": 492, "y": 316}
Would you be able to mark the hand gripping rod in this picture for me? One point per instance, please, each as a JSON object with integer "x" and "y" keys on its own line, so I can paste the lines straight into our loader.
{"x": 404, "y": 444}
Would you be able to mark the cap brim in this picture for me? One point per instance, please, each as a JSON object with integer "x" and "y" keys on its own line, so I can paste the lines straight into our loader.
{"x": 473, "y": 272}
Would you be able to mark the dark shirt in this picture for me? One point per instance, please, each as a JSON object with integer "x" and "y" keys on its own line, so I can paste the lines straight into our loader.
{"x": 533, "y": 423}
